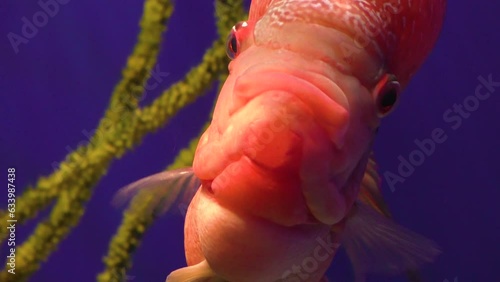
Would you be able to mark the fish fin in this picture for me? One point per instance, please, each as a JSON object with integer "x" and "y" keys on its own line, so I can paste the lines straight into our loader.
{"x": 376, "y": 244}
{"x": 200, "y": 272}
{"x": 168, "y": 186}
{"x": 370, "y": 191}
{"x": 371, "y": 194}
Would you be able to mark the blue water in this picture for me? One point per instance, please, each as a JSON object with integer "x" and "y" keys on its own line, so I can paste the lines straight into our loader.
{"x": 55, "y": 89}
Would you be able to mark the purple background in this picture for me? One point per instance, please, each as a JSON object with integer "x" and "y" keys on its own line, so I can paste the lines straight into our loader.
{"x": 59, "y": 84}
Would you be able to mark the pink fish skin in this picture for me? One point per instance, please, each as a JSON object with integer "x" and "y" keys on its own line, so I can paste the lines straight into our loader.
{"x": 401, "y": 33}
{"x": 284, "y": 159}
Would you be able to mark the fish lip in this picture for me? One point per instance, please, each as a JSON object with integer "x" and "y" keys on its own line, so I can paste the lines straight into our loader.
{"x": 337, "y": 124}
{"x": 322, "y": 69}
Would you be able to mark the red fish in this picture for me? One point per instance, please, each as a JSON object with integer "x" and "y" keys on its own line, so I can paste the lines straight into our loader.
{"x": 285, "y": 168}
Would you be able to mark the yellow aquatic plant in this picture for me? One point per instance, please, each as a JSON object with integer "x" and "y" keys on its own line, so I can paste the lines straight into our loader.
{"x": 122, "y": 127}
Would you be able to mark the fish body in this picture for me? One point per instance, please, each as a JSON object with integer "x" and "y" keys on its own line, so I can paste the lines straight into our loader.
{"x": 288, "y": 151}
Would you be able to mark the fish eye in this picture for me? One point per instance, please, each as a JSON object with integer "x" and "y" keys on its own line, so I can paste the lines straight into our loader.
{"x": 233, "y": 42}
{"x": 386, "y": 94}
{"x": 232, "y": 45}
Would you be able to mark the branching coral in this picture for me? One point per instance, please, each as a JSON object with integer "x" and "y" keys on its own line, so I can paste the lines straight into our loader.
{"x": 123, "y": 126}
{"x": 135, "y": 221}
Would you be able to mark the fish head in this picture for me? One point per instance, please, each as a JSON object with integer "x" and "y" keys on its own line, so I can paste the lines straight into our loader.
{"x": 314, "y": 78}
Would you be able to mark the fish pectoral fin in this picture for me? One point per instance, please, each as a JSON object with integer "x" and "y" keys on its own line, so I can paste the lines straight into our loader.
{"x": 370, "y": 192}
{"x": 165, "y": 188}
{"x": 200, "y": 272}
{"x": 375, "y": 243}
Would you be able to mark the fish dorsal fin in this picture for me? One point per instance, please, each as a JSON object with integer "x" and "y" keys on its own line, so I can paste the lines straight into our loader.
{"x": 167, "y": 186}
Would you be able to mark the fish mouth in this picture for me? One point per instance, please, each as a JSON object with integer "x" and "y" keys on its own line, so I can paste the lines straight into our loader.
{"x": 275, "y": 114}
{"x": 309, "y": 102}
{"x": 322, "y": 127}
